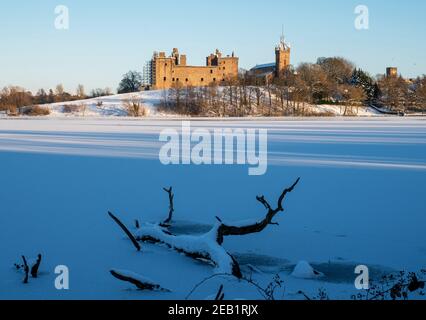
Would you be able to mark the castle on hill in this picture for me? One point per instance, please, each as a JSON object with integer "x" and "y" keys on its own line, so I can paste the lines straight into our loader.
{"x": 164, "y": 72}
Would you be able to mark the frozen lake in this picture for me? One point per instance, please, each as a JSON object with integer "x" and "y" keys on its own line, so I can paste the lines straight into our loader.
{"x": 361, "y": 200}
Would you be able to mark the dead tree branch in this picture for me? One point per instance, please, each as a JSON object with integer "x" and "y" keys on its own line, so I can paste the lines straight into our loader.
{"x": 207, "y": 247}
{"x": 126, "y": 231}
{"x": 226, "y": 230}
{"x": 166, "y": 223}
{"x": 138, "y": 281}
{"x": 26, "y": 269}
{"x": 35, "y": 267}
{"x": 220, "y": 296}
{"x": 204, "y": 248}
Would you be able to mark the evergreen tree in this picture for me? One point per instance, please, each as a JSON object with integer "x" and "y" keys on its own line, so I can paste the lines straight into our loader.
{"x": 363, "y": 80}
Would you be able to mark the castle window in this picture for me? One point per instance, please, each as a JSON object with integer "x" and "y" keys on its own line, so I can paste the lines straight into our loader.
{"x": 214, "y": 79}
{"x": 173, "y": 79}
{"x": 202, "y": 79}
{"x": 224, "y": 68}
{"x": 165, "y": 79}
{"x": 211, "y": 71}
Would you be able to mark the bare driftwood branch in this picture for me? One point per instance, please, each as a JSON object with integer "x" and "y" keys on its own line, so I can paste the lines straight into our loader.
{"x": 151, "y": 234}
{"x": 26, "y": 269}
{"x": 225, "y": 230}
{"x": 220, "y": 296}
{"x": 35, "y": 267}
{"x": 126, "y": 231}
{"x": 166, "y": 223}
{"x": 135, "y": 280}
{"x": 207, "y": 247}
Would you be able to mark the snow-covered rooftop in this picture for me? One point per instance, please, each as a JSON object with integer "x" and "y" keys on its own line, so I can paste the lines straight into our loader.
{"x": 264, "y": 66}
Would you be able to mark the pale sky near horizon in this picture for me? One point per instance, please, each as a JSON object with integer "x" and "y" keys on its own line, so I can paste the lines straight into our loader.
{"x": 108, "y": 38}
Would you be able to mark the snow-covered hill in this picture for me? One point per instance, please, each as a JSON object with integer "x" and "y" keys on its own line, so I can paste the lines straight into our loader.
{"x": 108, "y": 106}
{"x": 113, "y": 106}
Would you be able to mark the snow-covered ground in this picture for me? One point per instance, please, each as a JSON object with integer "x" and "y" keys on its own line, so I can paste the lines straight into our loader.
{"x": 338, "y": 110}
{"x": 113, "y": 106}
{"x": 360, "y": 201}
{"x": 108, "y": 106}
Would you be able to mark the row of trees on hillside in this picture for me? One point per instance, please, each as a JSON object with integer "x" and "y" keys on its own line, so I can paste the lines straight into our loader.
{"x": 12, "y": 98}
{"x": 235, "y": 98}
{"x": 329, "y": 81}
{"x": 336, "y": 80}
{"x": 401, "y": 95}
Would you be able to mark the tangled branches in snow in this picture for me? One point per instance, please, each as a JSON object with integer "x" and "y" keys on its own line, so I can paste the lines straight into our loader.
{"x": 207, "y": 247}
{"x": 395, "y": 287}
{"x": 29, "y": 267}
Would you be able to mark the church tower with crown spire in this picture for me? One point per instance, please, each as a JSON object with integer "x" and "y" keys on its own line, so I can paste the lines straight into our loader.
{"x": 282, "y": 56}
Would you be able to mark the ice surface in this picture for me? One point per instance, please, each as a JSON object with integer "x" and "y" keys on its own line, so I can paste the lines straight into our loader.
{"x": 360, "y": 201}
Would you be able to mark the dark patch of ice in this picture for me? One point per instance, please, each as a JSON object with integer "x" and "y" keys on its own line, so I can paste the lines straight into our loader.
{"x": 341, "y": 236}
{"x": 189, "y": 228}
{"x": 263, "y": 263}
{"x": 334, "y": 271}
{"x": 344, "y": 272}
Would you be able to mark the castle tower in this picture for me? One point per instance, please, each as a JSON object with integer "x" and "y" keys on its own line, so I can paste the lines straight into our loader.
{"x": 282, "y": 56}
{"x": 392, "y": 72}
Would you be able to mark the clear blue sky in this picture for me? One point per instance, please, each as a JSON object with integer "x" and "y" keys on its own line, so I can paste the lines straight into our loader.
{"x": 108, "y": 38}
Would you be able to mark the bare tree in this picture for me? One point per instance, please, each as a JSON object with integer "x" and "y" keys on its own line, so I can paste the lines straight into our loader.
{"x": 420, "y": 93}
{"x": 175, "y": 97}
{"x": 259, "y": 96}
{"x": 80, "y": 91}
{"x": 100, "y": 92}
{"x": 316, "y": 80}
{"x": 59, "y": 90}
{"x": 83, "y": 109}
{"x": 339, "y": 70}
{"x": 351, "y": 97}
{"x": 394, "y": 93}
{"x": 13, "y": 98}
{"x": 269, "y": 88}
{"x": 134, "y": 107}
